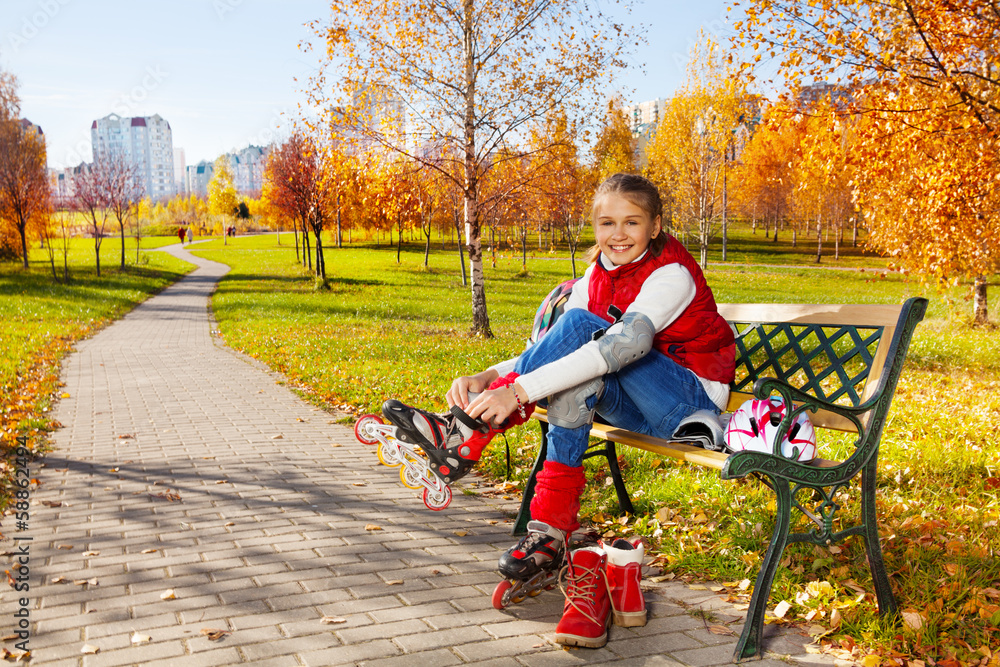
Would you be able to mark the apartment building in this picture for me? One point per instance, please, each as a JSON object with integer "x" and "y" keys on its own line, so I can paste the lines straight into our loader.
{"x": 145, "y": 141}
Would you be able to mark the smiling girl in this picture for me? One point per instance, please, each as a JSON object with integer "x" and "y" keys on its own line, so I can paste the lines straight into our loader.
{"x": 641, "y": 344}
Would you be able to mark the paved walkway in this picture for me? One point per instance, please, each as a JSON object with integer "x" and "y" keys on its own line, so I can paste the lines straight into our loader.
{"x": 188, "y": 472}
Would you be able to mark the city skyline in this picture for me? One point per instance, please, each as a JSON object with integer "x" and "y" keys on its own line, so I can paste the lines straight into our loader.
{"x": 204, "y": 67}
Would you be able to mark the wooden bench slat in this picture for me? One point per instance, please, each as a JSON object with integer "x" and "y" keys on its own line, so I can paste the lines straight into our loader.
{"x": 812, "y": 313}
{"x": 677, "y": 450}
{"x": 821, "y": 418}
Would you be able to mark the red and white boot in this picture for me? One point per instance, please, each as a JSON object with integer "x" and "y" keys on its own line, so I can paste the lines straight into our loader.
{"x": 587, "y": 610}
{"x": 624, "y": 572}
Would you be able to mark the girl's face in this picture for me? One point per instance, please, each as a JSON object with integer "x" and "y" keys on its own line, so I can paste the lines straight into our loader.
{"x": 623, "y": 230}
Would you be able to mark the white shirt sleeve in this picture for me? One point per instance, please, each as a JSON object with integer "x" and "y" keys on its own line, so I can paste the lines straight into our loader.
{"x": 663, "y": 297}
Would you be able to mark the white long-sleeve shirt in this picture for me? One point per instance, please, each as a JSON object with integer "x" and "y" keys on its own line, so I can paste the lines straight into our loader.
{"x": 664, "y": 295}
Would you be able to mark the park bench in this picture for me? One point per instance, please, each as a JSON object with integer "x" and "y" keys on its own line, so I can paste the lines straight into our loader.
{"x": 840, "y": 362}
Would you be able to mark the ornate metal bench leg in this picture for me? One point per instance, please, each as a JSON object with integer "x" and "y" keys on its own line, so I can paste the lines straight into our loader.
{"x": 749, "y": 645}
{"x": 883, "y": 590}
{"x": 524, "y": 514}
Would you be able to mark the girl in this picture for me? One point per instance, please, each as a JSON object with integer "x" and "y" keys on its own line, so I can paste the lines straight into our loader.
{"x": 640, "y": 343}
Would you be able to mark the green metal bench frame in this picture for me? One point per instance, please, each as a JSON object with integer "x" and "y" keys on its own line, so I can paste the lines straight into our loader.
{"x": 839, "y": 362}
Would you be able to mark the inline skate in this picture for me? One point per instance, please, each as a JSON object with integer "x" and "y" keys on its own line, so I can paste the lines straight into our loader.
{"x": 431, "y": 450}
{"x": 532, "y": 565}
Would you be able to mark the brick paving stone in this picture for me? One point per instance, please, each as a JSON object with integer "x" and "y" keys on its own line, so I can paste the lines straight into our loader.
{"x": 345, "y": 655}
{"x": 269, "y": 535}
{"x": 442, "y": 657}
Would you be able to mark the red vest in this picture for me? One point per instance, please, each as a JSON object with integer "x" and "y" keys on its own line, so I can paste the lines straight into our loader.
{"x": 699, "y": 339}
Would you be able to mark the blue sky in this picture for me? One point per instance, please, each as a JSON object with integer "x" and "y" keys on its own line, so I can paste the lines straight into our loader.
{"x": 223, "y": 72}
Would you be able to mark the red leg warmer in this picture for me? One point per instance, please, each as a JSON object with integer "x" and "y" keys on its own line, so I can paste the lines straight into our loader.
{"x": 515, "y": 418}
{"x": 557, "y": 496}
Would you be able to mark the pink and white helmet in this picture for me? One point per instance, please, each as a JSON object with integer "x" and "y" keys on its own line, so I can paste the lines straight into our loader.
{"x": 754, "y": 427}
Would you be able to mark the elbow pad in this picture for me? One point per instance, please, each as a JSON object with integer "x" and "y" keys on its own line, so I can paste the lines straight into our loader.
{"x": 631, "y": 343}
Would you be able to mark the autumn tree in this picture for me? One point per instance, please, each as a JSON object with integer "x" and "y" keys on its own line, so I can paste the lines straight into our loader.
{"x": 295, "y": 184}
{"x": 925, "y": 85}
{"x": 689, "y": 153}
{"x": 124, "y": 192}
{"x": 563, "y": 185}
{"x": 24, "y": 185}
{"x": 223, "y": 199}
{"x": 90, "y": 197}
{"x": 614, "y": 148}
{"x": 464, "y": 77}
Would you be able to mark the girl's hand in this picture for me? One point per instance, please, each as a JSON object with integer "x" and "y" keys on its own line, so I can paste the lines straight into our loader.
{"x": 462, "y": 386}
{"x": 493, "y": 406}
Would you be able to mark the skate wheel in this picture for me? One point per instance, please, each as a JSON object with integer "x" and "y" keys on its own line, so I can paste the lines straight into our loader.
{"x": 387, "y": 455}
{"x": 409, "y": 477}
{"x": 499, "y": 592}
{"x": 534, "y": 593}
{"x": 361, "y": 428}
{"x": 437, "y": 500}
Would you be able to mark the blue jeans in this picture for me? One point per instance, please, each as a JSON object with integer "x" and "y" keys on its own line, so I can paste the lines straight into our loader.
{"x": 650, "y": 396}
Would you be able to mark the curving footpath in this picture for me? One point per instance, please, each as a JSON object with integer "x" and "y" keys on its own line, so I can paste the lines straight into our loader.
{"x": 195, "y": 511}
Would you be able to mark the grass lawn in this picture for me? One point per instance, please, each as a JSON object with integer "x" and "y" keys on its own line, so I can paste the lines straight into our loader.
{"x": 40, "y": 318}
{"x": 386, "y": 330}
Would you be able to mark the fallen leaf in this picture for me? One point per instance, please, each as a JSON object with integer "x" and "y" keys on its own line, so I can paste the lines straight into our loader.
{"x": 148, "y": 551}
{"x": 230, "y": 523}
{"x": 359, "y": 483}
{"x": 373, "y": 526}
{"x": 64, "y": 395}
{"x": 872, "y": 661}
{"x": 58, "y": 580}
{"x": 114, "y": 469}
{"x": 169, "y": 494}
{"x": 213, "y": 634}
{"x": 140, "y": 639}
{"x": 330, "y": 620}
{"x": 394, "y": 582}
{"x": 698, "y": 587}
{"x": 221, "y": 481}
{"x": 277, "y": 437}
{"x": 820, "y": 588}
{"x": 493, "y": 522}
{"x": 65, "y": 546}
{"x": 91, "y": 553}
{"x": 461, "y": 533}
{"x": 720, "y": 630}
{"x": 745, "y": 584}
{"x": 168, "y": 595}
{"x": 835, "y": 619}
{"x": 716, "y": 589}
{"x": 538, "y": 646}
{"x": 335, "y": 444}
{"x": 89, "y": 649}
{"x": 700, "y": 517}
{"x": 666, "y": 577}
{"x": 9, "y": 638}
{"x": 51, "y": 503}
{"x": 912, "y": 620}
{"x": 781, "y": 609}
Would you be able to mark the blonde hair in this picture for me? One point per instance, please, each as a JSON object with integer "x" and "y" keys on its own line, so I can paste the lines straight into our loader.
{"x": 639, "y": 191}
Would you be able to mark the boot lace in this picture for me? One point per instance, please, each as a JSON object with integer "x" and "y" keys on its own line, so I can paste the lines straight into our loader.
{"x": 583, "y": 586}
